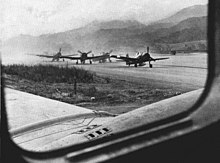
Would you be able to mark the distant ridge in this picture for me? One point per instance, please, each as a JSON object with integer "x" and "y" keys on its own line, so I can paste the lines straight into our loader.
{"x": 189, "y": 12}
{"x": 187, "y": 25}
{"x": 115, "y": 24}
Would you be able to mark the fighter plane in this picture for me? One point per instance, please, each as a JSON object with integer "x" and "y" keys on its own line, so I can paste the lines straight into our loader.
{"x": 55, "y": 57}
{"x": 102, "y": 58}
{"x": 140, "y": 60}
{"x": 84, "y": 57}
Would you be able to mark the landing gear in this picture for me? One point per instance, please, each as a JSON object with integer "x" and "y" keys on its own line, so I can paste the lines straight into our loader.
{"x": 150, "y": 65}
{"x": 77, "y": 62}
{"x": 90, "y": 62}
{"x": 135, "y": 65}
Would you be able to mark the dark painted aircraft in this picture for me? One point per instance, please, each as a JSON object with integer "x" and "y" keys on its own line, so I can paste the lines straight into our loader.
{"x": 140, "y": 60}
{"x": 54, "y": 57}
{"x": 84, "y": 57}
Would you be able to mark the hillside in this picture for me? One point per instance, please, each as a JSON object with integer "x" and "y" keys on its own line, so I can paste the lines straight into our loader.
{"x": 115, "y": 24}
{"x": 189, "y": 12}
{"x": 186, "y": 13}
{"x": 129, "y": 35}
{"x": 187, "y": 30}
{"x": 95, "y": 35}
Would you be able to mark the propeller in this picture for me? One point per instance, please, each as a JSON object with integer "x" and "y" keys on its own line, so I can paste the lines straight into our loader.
{"x": 148, "y": 49}
{"x": 110, "y": 51}
{"x": 84, "y": 52}
{"x": 80, "y": 52}
{"x": 107, "y": 53}
{"x": 139, "y": 54}
{"x": 89, "y": 52}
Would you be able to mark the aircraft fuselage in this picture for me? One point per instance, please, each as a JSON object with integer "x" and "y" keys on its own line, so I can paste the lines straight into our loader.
{"x": 141, "y": 60}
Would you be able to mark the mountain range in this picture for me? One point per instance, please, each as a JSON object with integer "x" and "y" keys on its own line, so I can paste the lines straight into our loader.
{"x": 187, "y": 27}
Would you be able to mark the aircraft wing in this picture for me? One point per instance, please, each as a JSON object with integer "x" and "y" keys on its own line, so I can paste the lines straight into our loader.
{"x": 46, "y": 56}
{"x": 70, "y": 55}
{"x": 47, "y": 134}
{"x": 71, "y": 58}
{"x": 156, "y": 59}
{"x": 96, "y": 57}
{"x": 83, "y": 125}
{"x": 77, "y": 58}
{"x": 42, "y": 126}
{"x": 114, "y": 56}
{"x": 101, "y": 57}
{"x": 126, "y": 59}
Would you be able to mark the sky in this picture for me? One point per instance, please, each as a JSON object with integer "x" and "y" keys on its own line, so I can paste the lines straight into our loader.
{"x": 36, "y": 17}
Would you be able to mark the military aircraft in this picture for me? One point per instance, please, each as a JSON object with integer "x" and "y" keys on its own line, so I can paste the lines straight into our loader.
{"x": 102, "y": 58}
{"x": 84, "y": 57}
{"x": 55, "y": 57}
{"x": 140, "y": 60}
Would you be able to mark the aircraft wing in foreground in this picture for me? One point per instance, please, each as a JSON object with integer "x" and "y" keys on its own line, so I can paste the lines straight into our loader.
{"x": 140, "y": 60}
{"x": 40, "y": 127}
{"x": 83, "y": 124}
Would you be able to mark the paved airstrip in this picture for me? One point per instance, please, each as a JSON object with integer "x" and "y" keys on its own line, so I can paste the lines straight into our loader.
{"x": 182, "y": 71}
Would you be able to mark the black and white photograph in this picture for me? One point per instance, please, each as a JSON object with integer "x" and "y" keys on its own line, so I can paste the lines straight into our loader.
{"x": 110, "y": 80}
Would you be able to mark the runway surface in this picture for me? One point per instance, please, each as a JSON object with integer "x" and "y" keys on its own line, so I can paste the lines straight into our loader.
{"x": 183, "y": 71}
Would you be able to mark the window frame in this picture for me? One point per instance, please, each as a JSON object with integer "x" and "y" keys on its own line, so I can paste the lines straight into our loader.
{"x": 213, "y": 75}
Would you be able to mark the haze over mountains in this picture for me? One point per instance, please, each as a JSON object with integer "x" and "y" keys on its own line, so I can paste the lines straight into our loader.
{"x": 193, "y": 11}
{"x": 185, "y": 29}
